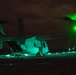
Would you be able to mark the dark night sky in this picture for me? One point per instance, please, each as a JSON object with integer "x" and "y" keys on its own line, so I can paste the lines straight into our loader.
{"x": 41, "y": 17}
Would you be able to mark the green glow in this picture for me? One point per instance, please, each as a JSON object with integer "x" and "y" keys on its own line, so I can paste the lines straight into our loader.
{"x": 74, "y": 52}
{"x": 73, "y": 48}
{"x": 49, "y": 53}
{"x": 26, "y": 54}
{"x": 63, "y": 52}
{"x": 57, "y": 53}
{"x": 69, "y": 49}
{"x": 72, "y": 16}
{"x": 69, "y": 52}
{"x": 74, "y": 28}
{"x": 8, "y": 55}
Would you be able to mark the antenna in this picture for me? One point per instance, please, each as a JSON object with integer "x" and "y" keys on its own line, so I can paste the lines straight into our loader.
{"x": 21, "y": 32}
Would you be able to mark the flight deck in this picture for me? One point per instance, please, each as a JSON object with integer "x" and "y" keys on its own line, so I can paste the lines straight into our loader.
{"x": 31, "y": 56}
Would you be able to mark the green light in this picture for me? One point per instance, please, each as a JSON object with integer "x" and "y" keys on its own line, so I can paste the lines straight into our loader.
{"x": 57, "y": 53}
{"x": 74, "y": 28}
{"x": 73, "y": 48}
{"x": 26, "y": 54}
{"x": 69, "y": 49}
{"x": 73, "y": 52}
{"x": 63, "y": 52}
{"x": 72, "y": 16}
{"x": 49, "y": 53}
{"x": 8, "y": 55}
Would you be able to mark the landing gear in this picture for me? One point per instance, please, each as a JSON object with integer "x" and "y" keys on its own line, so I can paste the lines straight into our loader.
{"x": 16, "y": 55}
{"x": 38, "y": 54}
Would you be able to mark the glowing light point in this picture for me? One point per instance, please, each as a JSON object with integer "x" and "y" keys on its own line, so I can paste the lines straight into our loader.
{"x": 72, "y": 16}
{"x": 56, "y": 52}
{"x": 73, "y": 48}
{"x": 73, "y": 52}
{"x": 26, "y": 54}
{"x": 49, "y": 53}
{"x": 74, "y": 28}
{"x": 69, "y": 52}
{"x": 63, "y": 52}
{"x": 69, "y": 49}
{"x": 8, "y": 55}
